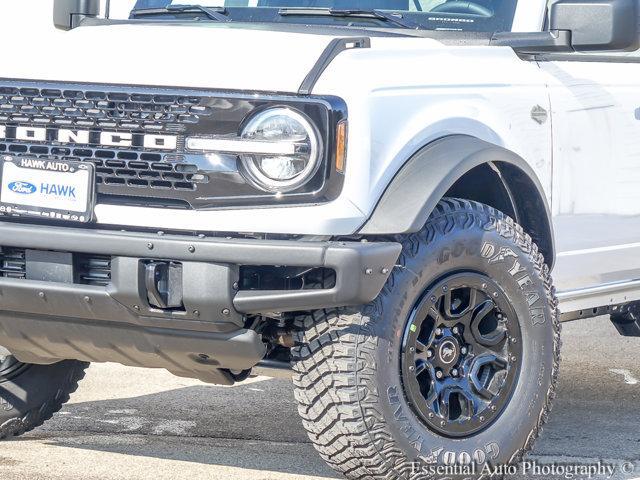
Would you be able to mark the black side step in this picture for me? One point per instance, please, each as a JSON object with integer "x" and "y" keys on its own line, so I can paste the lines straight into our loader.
{"x": 627, "y": 320}
{"x": 335, "y": 48}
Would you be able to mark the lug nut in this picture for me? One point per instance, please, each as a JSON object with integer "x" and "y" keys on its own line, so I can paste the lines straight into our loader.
{"x": 456, "y": 330}
{"x": 464, "y": 350}
{"x": 439, "y": 374}
{"x": 429, "y": 354}
{"x": 454, "y": 372}
{"x": 438, "y": 332}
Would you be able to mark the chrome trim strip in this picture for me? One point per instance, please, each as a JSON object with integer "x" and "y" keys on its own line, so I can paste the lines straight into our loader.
{"x": 599, "y": 290}
{"x": 231, "y": 145}
{"x": 599, "y": 296}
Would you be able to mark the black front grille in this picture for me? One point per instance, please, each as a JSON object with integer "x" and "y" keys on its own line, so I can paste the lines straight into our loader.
{"x": 94, "y": 110}
{"x": 121, "y": 168}
{"x": 146, "y": 176}
{"x": 104, "y": 109}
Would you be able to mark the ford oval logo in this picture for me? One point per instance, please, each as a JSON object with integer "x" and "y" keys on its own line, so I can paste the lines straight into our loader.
{"x": 24, "y": 188}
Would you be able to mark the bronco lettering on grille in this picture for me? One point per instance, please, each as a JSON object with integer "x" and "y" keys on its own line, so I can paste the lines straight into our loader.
{"x": 87, "y": 137}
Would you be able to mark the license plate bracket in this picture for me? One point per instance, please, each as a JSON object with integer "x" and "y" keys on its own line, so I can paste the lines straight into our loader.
{"x": 61, "y": 190}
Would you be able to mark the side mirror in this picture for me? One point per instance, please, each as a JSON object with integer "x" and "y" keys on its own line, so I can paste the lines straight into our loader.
{"x": 598, "y": 25}
{"x": 68, "y": 14}
{"x": 581, "y": 26}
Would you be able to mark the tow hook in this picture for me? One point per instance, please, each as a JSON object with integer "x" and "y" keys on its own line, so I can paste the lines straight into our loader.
{"x": 163, "y": 281}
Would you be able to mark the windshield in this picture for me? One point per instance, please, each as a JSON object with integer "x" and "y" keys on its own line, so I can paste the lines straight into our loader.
{"x": 452, "y": 15}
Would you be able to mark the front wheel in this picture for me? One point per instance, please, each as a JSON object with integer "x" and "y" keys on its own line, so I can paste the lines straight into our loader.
{"x": 452, "y": 369}
{"x": 31, "y": 394}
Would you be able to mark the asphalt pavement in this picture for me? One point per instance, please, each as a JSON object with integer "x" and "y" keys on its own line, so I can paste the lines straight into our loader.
{"x": 128, "y": 423}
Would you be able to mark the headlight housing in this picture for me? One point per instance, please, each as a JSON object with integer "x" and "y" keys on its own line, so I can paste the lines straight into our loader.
{"x": 287, "y": 149}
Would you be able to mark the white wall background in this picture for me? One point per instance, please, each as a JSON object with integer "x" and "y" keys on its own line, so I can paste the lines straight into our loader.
{"x": 20, "y": 15}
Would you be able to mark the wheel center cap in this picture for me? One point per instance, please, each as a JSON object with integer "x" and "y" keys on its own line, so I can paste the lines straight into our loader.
{"x": 448, "y": 352}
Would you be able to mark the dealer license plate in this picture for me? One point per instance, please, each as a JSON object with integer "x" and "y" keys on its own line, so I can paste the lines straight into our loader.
{"x": 53, "y": 189}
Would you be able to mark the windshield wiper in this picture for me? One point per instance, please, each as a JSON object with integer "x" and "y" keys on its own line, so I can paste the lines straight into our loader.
{"x": 213, "y": 13}
{"x": 396, "y": 19}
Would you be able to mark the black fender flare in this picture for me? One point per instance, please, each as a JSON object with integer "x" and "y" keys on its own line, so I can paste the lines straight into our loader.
{"x": 428, "y": 175}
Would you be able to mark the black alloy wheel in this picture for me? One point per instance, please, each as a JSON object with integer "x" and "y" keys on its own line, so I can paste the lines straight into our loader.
{"x": 461, "y": 354}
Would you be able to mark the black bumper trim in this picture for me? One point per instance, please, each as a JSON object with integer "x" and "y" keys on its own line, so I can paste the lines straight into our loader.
{"x": 362, "y": 268}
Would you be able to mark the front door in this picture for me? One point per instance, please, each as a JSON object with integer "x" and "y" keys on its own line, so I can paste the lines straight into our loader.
{"x": 595, "y": 103}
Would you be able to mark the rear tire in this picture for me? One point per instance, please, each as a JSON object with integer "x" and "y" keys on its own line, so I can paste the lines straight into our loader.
{"x": 31, "y": 394}
{"x": 351, "y": 365}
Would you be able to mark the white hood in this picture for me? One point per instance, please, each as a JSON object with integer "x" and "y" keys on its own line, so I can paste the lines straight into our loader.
{"x": 203, "y": 56}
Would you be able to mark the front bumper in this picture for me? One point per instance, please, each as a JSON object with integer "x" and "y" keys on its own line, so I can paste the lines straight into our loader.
{"x": 45, "y": 321}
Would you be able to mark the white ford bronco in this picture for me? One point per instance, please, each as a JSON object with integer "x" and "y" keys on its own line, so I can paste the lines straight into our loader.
{"x": 368, "y": 196}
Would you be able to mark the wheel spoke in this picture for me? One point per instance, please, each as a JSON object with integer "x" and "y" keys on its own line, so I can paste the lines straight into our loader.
{"x": 421, "y": 367}
{"x": 469, "y": 407}
{"x": 443, "y": 403}
{"x": 485, "y": 375}
{"x": 435, "y": 314}
{"x": 483, "y": 310}
{"x": 446, "y": 304}
{"x": 451, "y": 305}
{"x": 420, "y": 347}
{"x": 484, "y": 318}
{"x": 473, "y": 298}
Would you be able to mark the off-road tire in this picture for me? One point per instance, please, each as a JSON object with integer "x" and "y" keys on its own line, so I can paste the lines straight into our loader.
{"x": 346, "y": 360}
{"x": 32, "y": 394}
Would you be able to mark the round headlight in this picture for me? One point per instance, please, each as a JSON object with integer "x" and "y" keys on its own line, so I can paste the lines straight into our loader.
{"x": 291, "y": 150}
